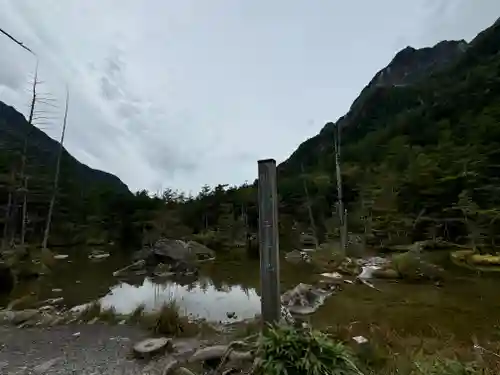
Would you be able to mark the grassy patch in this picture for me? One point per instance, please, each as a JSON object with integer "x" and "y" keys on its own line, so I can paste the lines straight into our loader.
{"x": 166, "y": 321}
{"x": 91, "y": 311}
{"x": 288, "y": 350}
{"x": 136, "y": 315}
{"x": 109, "y": 315}
{"x": 169, "y": 321}
{"x": 447, "y": 367}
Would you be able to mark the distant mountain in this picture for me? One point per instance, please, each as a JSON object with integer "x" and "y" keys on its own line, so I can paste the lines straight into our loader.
{"x": 409, "y": 67}
{"x": 425, "y": 131}
{"x": 13, "y": 130}
{"x": 83, "y": 193}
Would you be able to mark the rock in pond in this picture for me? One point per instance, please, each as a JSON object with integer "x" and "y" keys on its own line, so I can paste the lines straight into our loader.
{"x": 177, "y": 256}
{"x": 170, "y": 251}
{"x": 97, "y": 255}
{"x": 332, "y": 276}
{"x": 304, "y": 299}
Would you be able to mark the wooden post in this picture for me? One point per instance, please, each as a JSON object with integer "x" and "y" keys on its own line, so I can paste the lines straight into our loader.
{"x": 269, "y": 242}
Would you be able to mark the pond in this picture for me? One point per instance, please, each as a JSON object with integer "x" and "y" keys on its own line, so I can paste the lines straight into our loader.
{"x": 463, "y": 306}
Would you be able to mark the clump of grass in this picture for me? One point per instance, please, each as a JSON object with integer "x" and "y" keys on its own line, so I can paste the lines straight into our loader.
{"x": 95, "y": 310}
{"x": 91, "y": 311}
{"x": 136, "y": 315}
{"x": 108, "y": 315}
{"x": 169, "y": 321}
{"x": 292, "y": 351}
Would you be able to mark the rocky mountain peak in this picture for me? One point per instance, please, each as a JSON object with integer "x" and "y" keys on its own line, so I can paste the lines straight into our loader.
{"x": 411, "y": 65}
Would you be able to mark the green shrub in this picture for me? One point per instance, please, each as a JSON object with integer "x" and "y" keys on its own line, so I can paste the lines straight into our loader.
{"x": 292, "y": 351}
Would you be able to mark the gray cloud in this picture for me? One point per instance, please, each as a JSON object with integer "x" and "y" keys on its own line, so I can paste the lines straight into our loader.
{"x": 183, "y": 93}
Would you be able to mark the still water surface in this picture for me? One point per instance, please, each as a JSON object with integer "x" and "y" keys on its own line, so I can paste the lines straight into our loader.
{"x": 464, "y": 305}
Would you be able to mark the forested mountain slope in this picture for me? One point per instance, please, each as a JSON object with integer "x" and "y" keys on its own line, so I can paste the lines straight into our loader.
{"x": 83, "y": 191}
{"x": 421, "y": 142}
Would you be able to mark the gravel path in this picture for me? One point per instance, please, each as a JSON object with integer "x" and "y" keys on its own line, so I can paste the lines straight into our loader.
{"x": 77, "y": 349}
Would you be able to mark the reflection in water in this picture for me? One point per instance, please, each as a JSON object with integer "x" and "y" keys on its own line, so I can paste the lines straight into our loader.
{"x": 234, "y": 286}
{"x": 200, "y": 299}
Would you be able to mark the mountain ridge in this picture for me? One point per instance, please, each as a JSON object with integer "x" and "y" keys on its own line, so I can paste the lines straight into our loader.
{"x": 47, "y": 145}
{"x": 453, "y": 53}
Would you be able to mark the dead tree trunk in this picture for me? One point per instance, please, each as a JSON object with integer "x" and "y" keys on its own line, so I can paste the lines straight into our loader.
{"x": 25, "y": 210}
{"x": 24, "y": 157}
{"x": 309, "y": 210}
{"x": 8, "y": 210}
{"x": 56, "y": 176}
{"x": 340, "y": 208}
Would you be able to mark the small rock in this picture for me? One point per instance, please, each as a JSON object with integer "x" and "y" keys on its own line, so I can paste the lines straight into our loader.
{"x": 183, "y": 371}
{"x": 209, "y": 353}
{"x": 61, "y": 256}
{"x": 150, "y": 347}
{"x": 45, "y": 366}
{"x": 360, "y": 339}
{"x": 97, "y": 256}
{"x": 78, "y": 282}
{"x": 332, "y": 275}
{"x": 76, "y": 334}
{"x": 23, "y": 316}
{"x": 56, "y": 290}
{"x": 6, "y": 316}
{"x": 46, "y": 308}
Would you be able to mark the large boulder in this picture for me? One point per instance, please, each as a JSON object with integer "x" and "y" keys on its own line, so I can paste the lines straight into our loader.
{"x": 304, "y": 299}
{"x": 171, "y": 251}
{"x": 167, "y": 256}
{"x": 6, "y": 279}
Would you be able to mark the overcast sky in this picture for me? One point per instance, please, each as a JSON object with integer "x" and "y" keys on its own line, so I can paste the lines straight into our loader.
{"x": 181, "y": 93}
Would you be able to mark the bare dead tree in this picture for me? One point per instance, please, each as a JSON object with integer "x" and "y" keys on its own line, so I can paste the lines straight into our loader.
{"x": 309, "y": 209}
{"x": 24, "y": 178}
{"x": 8, "y": 209}
{"x": 340, "y": 205}
{"x": 10, "y": 196}
{"x": 56, "y": 175}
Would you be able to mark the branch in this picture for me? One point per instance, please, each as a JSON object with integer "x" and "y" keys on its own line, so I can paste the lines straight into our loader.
{"x": 15, "y": 40}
